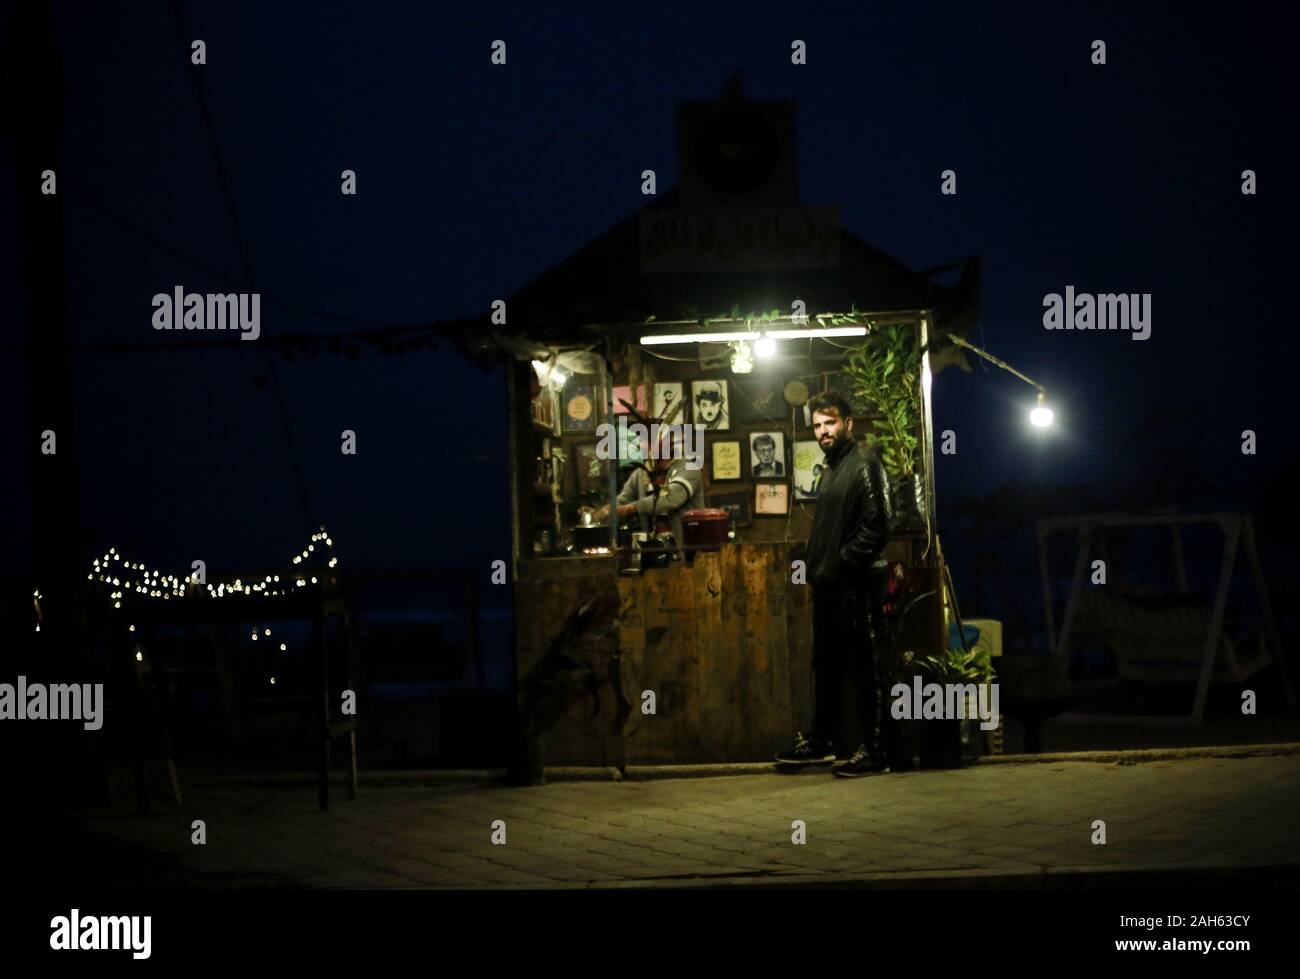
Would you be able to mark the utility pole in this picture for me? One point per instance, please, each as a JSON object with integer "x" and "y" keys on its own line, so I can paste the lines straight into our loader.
{"x": 49, "y": 758}
{"x": 38, "y": 93}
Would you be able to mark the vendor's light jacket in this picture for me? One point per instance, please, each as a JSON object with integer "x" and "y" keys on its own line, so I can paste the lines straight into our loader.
{"x": 683, "y": 490}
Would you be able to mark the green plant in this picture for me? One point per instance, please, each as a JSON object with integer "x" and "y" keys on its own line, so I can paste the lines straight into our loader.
{"x": 954, "y": 665}
{"x": 884, "y": 371}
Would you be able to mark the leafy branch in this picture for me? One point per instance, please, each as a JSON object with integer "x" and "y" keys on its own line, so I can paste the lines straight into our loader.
{"x": 883, "y": 370}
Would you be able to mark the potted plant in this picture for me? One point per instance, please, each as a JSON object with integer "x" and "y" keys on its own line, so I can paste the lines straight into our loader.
{"x": 942, "y": 739}
{"x": 884, "y": 371}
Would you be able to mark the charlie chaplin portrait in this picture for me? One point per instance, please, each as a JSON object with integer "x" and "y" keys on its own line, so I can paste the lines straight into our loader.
{"x": 710, "y": 398}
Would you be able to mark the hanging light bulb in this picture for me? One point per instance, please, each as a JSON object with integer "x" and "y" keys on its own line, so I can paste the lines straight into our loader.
{"x": 1041, "y": 415}
{"x": 764, "y": 347}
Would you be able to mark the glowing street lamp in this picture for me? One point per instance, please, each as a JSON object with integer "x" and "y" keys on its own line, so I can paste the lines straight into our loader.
{"x": 1040, "y": 416}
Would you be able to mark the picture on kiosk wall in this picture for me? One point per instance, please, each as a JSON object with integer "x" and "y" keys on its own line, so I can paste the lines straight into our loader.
{"x": 709, "y": 405}
{"x": 581, "y": 405}
{"x": 759, "y": 399}
{"x": 668, "y": 396}
{"x": 766, "y": 454}
{"x": 809, "y": 466}
{"x": 772, "y": 499}
{"x": 623, "y": 398}
{"x": 726, "y": 460}
{"x": 737, "y": 506}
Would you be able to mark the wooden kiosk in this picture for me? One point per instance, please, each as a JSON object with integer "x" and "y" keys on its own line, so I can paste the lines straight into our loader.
{"x": 721, "y": 639}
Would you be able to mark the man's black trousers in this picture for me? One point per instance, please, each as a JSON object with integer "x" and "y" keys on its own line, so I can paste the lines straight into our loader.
{"x": 850, "y": 645}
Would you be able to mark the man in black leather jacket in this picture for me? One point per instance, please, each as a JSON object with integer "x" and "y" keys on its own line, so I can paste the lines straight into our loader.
{"x": 849, "y": 576}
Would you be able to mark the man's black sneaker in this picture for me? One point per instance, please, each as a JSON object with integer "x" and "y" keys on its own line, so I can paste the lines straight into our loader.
{"x": 863, "y": 762}
{"x": 806, "y": 751}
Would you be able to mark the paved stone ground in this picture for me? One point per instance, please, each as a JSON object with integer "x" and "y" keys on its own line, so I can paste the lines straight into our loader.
{"x": 1005, "y": 819}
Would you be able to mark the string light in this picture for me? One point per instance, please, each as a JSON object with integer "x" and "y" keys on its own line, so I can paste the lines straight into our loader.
{"x": 155, "y": 584}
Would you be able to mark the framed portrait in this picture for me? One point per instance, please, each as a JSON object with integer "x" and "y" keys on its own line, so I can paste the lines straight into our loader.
{"x": 772, "y": 499}
{"x": 809, "y": 465}
{"x": 767, "y": 455}
{"x": 760, "y": 399}
{"x": 736, "y": 504}
{"x": 710, "y": 405}
{"x": 581, "y": 402}
{"x": 624, "y": 393}
{"x": 724, "y": 458}
{"x": 666, "y": 397}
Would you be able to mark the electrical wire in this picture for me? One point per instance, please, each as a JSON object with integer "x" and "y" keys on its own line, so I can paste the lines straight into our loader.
{"x": 247, "y": 263}
{"x": 179, "y": 255}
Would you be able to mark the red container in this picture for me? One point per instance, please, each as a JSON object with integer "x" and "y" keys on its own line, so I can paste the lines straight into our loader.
{"x": 706, "y": 528}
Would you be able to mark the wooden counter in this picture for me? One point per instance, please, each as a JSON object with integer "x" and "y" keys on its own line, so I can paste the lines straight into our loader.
{"x": 724, "y": 641}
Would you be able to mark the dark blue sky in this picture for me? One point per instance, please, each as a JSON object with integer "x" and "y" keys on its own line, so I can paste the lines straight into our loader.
{"x": 474, "y": 179}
